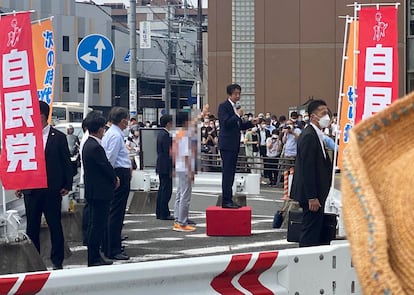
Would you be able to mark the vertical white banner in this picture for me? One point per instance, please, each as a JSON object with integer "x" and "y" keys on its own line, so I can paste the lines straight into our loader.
{"x": 132, "y": 97}
{"x": 144, "y": 34}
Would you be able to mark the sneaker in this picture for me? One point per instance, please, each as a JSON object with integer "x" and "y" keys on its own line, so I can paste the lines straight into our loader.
{"x": 191, "y": 222}
{"x": 186, "y": 228}
{"x": 176, "y": 226}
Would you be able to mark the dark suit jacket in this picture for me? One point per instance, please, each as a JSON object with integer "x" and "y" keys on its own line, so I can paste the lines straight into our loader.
{"x": 313, "y": 173}
{"x": 267, "y": 132}
{"x": 230, "y": 126}
{"x": 99, "y": 174}
{"x": 164, "y": 160}
{"x": 58, "y": 165}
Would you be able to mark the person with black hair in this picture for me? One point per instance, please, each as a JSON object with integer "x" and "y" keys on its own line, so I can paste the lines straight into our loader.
{"x": 117, "y": 153}
{"x": 313, "y": 175}
{"x": 48, "y": 201}
{"x": 85, "y": 214}
{"x": 164, "y": 169}
{"x": 229, "y": 115}
{"x": 100, "y": 182}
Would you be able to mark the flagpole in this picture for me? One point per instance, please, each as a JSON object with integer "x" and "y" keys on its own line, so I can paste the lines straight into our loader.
{"x": 357, "y": 7}
{"x": 340, "y": 97}
{"x": 43, "y": 19}
{"x": 4, "y": 210}
{"x": 16, "y": 12}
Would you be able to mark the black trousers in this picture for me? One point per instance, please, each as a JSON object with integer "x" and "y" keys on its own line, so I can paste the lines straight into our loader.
{"x": 85, "y": 223}
{"x": 272, "y": 166}
{"x": 263, "y": 152}
{"x": 112, "y": 240}
{"x": 50, "y": 204}
{"x": 164, "y": 195}
{"x": 98, "y": 222}
{"x": 229, "y": 162}
{"x": 312, "y": 225}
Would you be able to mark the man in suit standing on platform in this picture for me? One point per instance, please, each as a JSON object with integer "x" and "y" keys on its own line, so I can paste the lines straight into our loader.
{"x": 100, "y": 182}
{"x": 313, "y": 175}
{"x": 49, "y": 200}
{"x": 230, "y": 117}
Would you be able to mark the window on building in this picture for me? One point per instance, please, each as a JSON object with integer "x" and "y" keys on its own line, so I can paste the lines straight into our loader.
{"x": 96, "y": 86}
{"x": 65, "y": 84}
{"x": 65, "y": 43}
{"x": 81, "y": 85}
{"x": 410, "y": 78}
{"x": 411, "y": 17}
{"x": 80, "y": 39}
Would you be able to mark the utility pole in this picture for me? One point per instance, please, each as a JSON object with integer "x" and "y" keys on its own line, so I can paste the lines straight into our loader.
{"x": 133, "y": 85}
{"x": 200, "y": 39}
{"x": 168, "y": 65}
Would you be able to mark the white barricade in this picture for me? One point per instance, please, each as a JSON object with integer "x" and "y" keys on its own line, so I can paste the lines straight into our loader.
{"x": 207, "y": 182}
{"x": 302, "y": 271}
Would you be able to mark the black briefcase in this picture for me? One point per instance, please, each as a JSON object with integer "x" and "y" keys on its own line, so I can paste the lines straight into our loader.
{"x": 295, "y": 227}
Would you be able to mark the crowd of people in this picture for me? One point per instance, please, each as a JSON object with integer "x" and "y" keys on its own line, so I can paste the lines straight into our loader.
{"x": 270, "y": 146}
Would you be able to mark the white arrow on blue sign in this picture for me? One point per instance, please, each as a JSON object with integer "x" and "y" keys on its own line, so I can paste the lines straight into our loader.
{"x": 127, "y": 57}
{"x": 95, "y": 53}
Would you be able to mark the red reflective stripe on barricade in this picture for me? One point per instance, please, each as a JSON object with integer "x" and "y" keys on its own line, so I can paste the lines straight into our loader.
{"x": 32, "y": 284}
{"x": 222, "y": 283}
{"x": 6, "y": 285}
{"x": 250, "y": 279}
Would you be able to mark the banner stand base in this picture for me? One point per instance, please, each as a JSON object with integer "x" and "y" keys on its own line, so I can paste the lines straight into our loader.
{"x": 19, "y": 257}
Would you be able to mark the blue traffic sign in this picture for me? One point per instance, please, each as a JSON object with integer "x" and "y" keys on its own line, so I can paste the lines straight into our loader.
{"x": 95, "y": 53}
{"x": 127, "y": 57}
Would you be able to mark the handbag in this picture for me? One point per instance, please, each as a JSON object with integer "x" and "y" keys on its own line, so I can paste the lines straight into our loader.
{"x": 278, "y": 218}
{"x": 295, "y": 227}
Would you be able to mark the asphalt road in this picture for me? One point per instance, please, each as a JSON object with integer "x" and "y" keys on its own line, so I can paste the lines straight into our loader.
{"x": 151, "y": 239}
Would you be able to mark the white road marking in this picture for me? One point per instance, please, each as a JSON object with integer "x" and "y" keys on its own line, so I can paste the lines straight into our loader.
{"x": 136, "y": 242}
{"x": 168, "y": 239}
{"x": 273, "y": 230}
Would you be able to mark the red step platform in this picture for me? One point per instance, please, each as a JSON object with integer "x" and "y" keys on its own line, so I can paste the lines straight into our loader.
{"x": 229, "y": 222}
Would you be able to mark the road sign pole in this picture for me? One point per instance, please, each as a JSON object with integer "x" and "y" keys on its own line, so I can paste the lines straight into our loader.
{"x": 133, "y": 59}
{"x": 86, "y": 93}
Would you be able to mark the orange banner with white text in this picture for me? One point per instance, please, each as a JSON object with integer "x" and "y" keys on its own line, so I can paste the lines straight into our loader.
{"x": 22, "y": 161}
{"x": 347, "y": 105}
{"x": 44, "y": 52}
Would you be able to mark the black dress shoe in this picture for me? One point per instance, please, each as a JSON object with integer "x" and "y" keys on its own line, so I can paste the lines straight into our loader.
{"x": 168, "y": 218}
{"x": 57, "y": 266}
{"x": 230, "y": 206}
{"x": 120, "y": 256}
{"x": 105, "y": 261}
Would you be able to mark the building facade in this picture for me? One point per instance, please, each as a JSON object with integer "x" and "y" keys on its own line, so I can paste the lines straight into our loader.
{"x": 284, "y": 52}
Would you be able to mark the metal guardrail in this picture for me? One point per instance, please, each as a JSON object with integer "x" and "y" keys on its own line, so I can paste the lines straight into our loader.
{"x": 212, "y": 162}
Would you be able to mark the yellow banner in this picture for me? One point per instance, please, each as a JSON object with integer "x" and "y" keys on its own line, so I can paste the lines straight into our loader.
{"x": 347, "y": 112}
{"x": 44, "y": 57}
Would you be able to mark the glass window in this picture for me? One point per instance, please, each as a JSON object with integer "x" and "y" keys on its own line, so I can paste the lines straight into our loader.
{"x": 59, "y": 113}
{"x": 65, "y": 84}
{"x": 75, "y": 116}
{"x": 96, "y": 86}
{"x": 81, "y": 85}
{"x": 65, "y": 45}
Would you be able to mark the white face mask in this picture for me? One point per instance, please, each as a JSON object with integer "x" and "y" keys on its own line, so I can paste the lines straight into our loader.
{"x": 324, "y": 121}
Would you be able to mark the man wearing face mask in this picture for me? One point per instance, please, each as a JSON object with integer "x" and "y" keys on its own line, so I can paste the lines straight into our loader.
{"x": 313, "y": 174}
{"x": 229, "y": 115}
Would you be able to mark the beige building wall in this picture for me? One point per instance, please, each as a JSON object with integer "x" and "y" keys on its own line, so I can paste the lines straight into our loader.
{"x": 298, "y": 51}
